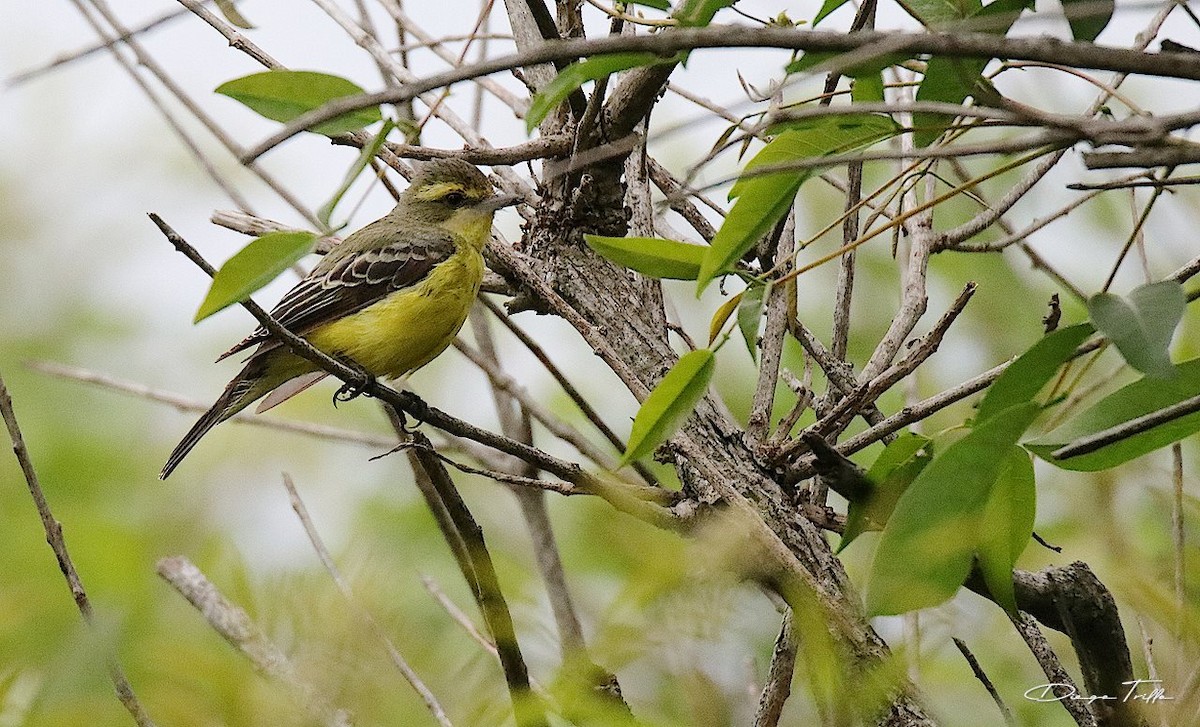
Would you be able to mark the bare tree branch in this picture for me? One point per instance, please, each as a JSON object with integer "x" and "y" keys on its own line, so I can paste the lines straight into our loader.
{"x": 58, "y": 543}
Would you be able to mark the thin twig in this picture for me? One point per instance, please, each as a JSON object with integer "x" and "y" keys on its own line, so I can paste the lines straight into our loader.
{"x": 779, "y": 676}
{"x": 343, "y": 586}
{"x": 476, "y": 565}
{"x": 982, "y": 676}
{"x": 1127, "y": 429}
{"x": 58, "y": 543}
{"x": 1052, "y": 668}
{"x": 957, "y": 45}
{"x": 185, "y": 404}
{"x": 234, "y": 625}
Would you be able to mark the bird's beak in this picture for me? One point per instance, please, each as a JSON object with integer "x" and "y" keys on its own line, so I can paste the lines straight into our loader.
{"x": 496, "y": 201}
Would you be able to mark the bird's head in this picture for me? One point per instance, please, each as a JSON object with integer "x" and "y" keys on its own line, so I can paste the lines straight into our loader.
{"x": 453, "y": 195}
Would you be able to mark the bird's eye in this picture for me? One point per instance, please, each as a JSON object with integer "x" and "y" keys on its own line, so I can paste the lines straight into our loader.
{"x": 455, "y": 199}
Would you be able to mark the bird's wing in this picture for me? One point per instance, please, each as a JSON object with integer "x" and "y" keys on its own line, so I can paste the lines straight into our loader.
{"x": 347, "y": 283}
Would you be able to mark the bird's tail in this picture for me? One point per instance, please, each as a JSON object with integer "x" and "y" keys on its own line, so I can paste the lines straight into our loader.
{"x": 246, "y": 388}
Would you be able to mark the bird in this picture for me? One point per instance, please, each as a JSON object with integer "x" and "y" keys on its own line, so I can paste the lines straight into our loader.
{"x": 389, "y": 298}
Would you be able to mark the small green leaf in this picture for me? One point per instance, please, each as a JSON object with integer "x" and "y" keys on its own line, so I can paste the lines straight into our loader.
{"x": 233, "y": 15}
{"x": 651, "y": 256}
{"x": 932, "y": 537}
{"x": 951, "y": 80}
{"x": 827, "y": 9}
{"x": 283, "y": 95}
{"x": 1026, "y": 376}
{"x": 699, "y": 13}
{"x": 867, "y": 88}
{"x": 1142, "y": 397}
{"x": 1088, "y": 18}
{"x": 893, "y": 471}
{"x": 762, "y": 200}
{"x": 1141, "y": 326}
{"x": 721, "y": 315}
{"x": 365, "y": 156}
{"x": 1007, "y": 525}
{"x": 749, "y": 313}
{"x": 670, "y": 403}
{"x": 656, "y": 4}
{"x": 579, "y": 73}
{"x": 252, "y": 267}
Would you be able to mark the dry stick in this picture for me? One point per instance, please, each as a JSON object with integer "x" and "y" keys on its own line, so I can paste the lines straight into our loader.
{"x": 343, "y": 587}
{"x": 235, "y": 626}
{"x": 954, "y": 45}
{"x": 568, "y": 388}
{"x": 982, "y": 676}
{"x": 1134, "y": 236}
{"x": 1177, "y": 540}
{"x": 58, "y": 543}
{"x": 145, "y": 60}
{"x": 868, "y": 391}
{"x": 1043, "y": 167}
{"x": 192, "y": 146}
{"x": 372, "y": 46}
{"x": 1127, "y": 429}
{"x": 503, "y": 384}
{"x": 1036, "y": 260}
{"x": 779, "y": 301}
{"x": 185, "y": 404}
{"x": 28, "y": 75}
{"x": 514, "y": 422}
{"x": 631, "y": 500}
{"x": 239, "y": 42}
{"x": 477, "y": 568}
{"x": 518, "y": 105}
{"x": 1052, "y": 667}
{"x": 779, "y": 676}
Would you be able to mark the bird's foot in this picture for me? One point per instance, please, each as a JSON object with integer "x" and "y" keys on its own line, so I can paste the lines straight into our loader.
{"x": 355, "y": 388}
{"x": 417, "y": 409}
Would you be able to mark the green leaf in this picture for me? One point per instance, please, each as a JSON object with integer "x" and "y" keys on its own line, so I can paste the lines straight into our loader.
{"x": 656, "y": 4}
{"x": 1088, "y": 18}
{"x": 283, "y": 95}
{"x": 867, "y": 88}
{"x": 1007, "y": 525}
{"x": 651, "y": 256}
{"x": 763, "y": 200}
{"x": 1142, "y": 325}
{"x": 1026, "y": 376}
{"x": 893, "y": 471}
{"x": 699, "y": 13}
{"x": 252, "y": 267}
{"x": 579, "y": 73}
{"x": 826, "y": 9}
{"x": 932, "y": 537}
{"x": 749, "y": 313}
{"x": 233, "y": 15}
{"x": 670, "y": 403}
{"x": 367, "y": 153}
{"x": 1142, "y": 397}
{"x": 951, "y": 80}
{"x": 721, "y": 316}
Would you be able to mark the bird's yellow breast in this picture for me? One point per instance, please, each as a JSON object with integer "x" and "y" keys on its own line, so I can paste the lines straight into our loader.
{"x": 410, "y": 327}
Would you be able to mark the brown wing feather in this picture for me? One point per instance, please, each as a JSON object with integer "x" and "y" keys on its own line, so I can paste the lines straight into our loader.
{"x": 345, "y": 284}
